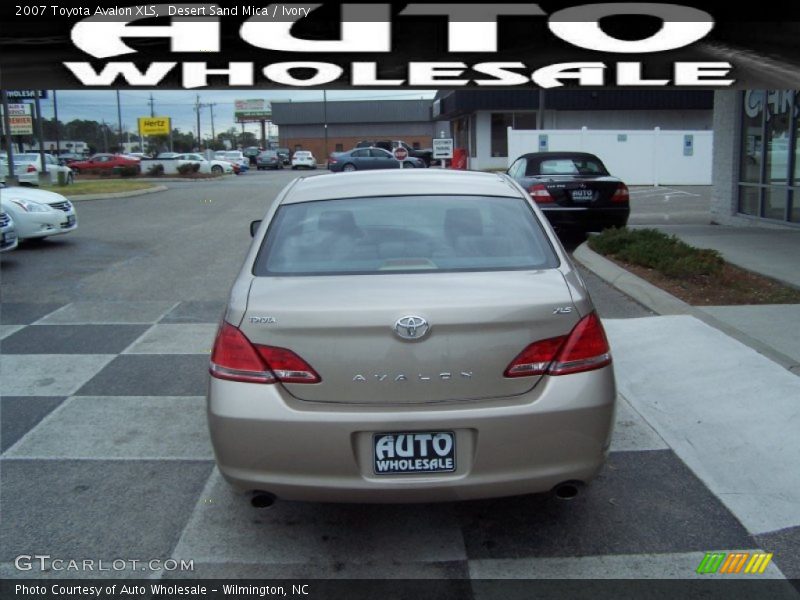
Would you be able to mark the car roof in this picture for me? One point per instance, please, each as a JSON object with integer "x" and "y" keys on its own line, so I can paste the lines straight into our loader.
{"x": 556, "y": 155}
{"x": 399, "y": 182}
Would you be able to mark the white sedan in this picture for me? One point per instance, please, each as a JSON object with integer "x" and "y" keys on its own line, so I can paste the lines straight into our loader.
{"x": 28, "y": 165}
{"x": 217, "y": 167}
{"x": 37, "y": 213}
{"x": 304, "y": 158}
{"x": 8, "y": 232}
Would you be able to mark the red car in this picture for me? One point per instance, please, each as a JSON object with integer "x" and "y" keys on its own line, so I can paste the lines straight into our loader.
{"x": 104, "y": 161}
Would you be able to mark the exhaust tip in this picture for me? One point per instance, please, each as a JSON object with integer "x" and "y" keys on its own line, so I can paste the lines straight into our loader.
{"x": 262, "y": 500}
{"x": 568, "y": 490}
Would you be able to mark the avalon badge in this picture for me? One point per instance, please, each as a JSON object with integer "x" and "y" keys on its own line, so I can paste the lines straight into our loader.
{"x": 411, "y": 327}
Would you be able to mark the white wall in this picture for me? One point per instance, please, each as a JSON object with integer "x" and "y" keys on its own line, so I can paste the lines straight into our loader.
{"x": 652, "y": 157}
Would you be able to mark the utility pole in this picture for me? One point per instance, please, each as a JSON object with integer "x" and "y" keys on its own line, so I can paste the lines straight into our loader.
{"x": 211, "y": 106}
{"x": 197, "y": 107}
{"x": 325, "y": 120}
{"x": 152, "y": 110}
{"x": 40, "y": 134}
{"x": 119, "y": 121}
{"x": 11, "y": 179}
{"x": 55, "y": 116}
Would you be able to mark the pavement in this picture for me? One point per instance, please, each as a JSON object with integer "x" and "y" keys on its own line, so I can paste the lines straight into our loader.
{"x": 105, "y": 452}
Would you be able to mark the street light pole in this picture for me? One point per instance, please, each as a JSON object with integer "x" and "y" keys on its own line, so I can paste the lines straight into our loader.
{"x": 325, "y": 120}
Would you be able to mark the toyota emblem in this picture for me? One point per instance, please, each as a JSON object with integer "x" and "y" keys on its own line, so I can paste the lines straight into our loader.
{"x": 411, "y": 327}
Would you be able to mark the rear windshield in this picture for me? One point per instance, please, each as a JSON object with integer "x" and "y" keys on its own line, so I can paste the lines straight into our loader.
{"x": 565, "y": 166}
{"x": 404, "y": 234}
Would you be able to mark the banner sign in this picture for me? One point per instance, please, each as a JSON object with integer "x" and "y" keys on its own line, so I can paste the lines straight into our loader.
{"x": 397, "y": 45}
{"x": 20, "y": 119}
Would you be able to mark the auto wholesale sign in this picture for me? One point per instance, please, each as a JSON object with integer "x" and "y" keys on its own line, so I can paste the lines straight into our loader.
{"x": 20, "y": 119}
{"x": 386, "y": 45}
{"x": 154, "y": 125}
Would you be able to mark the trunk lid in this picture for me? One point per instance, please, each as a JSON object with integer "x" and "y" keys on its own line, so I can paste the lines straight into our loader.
{"x": 343, "y": 327}
{"x": 575, "y": 191}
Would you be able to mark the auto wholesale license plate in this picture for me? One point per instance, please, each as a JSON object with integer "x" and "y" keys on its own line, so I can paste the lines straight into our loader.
{"x": 582, "y": 195}
{"x": 414, "y": 452}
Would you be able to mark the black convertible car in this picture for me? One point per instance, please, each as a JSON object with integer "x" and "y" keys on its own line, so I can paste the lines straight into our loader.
{"x": 574, "y": 189}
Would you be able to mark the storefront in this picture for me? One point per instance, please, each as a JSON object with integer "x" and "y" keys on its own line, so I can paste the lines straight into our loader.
{"x": 756, "y": 162}
{"x": 769, "y": 172}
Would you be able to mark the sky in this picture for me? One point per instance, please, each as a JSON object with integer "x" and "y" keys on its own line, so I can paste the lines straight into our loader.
{"x": 99, "y": 105}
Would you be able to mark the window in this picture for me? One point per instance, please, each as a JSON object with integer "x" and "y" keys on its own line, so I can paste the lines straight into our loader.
{"x": 416, "y": 145}
{"x": 404, "y": 234}
{"x": 339, "y": 148}
{"x": 360, "y": 154}
{"x": 768, "y": 167}
{"x": 565, "y": 166}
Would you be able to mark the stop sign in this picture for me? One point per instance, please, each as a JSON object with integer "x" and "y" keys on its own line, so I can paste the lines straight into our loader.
{"x": 400, "y": 153}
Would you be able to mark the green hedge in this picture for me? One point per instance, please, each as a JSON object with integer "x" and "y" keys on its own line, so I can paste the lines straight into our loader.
{"x": 656, "y": 250}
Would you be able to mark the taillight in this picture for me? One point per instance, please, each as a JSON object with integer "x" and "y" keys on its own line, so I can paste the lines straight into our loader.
{"x": 621, "y": 195}
{"x": 235, "y": 358}
{"x": 584, "y": 349}
{"x": 540, "y": 194}
{"x": 30, "y": 169}
{"x": 332, "y": 161}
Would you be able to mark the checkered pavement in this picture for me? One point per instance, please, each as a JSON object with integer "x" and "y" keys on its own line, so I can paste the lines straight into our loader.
{"x": 105, "y": 454}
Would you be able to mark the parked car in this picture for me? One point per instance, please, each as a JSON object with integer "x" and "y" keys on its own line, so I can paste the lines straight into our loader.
{"x": 104, "y": 162}
{"x": 418, "y": 336}
{"x": 269, "y": 159}
{"x": 285, "y": 154}
{"x": 361, "y": 159}
{"x": 8, "y": 232}
{"x": 304, "y": 159}
{"x": 251, "y": 153}
{"x": 38, "y": 213}
{"x": 425, "y": 154}
{"x": 28, "y": 165}
{"x": 214, "y": 166}
{"x": 26, "y": 174}
{"x": 235, "y": 157}
{"x": 573, "y": 189}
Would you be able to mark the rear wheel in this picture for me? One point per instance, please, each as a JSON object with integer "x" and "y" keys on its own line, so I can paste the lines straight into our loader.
{"x": 75, "y": 170}
{"x": 70, "y": 178}
{"x": 216, "y": 170}
{"x": 349, "y": 167}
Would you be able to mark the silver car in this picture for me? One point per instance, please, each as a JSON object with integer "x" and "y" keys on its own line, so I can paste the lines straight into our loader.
{"x": 404, "y": 336}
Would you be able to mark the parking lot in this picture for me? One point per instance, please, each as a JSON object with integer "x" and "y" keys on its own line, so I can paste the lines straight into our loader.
{"x": 105, "y": 454}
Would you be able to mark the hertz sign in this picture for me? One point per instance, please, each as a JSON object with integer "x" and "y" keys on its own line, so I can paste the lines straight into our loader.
{"x": 154, "y": 125}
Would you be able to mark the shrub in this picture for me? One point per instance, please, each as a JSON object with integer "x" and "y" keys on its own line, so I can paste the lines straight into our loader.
{"x": 188, "y": 168}
{"x": 62, "y": 178}
{"x": 156, "y": 170}
{"x": 129, "y": 171}
{"x": 656, "y": 250}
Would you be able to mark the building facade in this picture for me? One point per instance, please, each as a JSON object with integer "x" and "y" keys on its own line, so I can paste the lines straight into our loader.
{"x": 756, "y": 158}
{"x": 479, "y": 119}
{"x": 326, "y": 127}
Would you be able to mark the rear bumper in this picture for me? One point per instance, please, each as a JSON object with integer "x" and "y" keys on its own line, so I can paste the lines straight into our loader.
{"x": 264, "y": 439}
{"x": 586, "y": 219}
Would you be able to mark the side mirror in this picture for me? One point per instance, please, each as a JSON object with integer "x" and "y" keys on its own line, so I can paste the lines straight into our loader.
{"x": 254, "y": 225}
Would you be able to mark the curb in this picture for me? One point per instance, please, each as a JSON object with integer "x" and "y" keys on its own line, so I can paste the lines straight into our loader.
{"x": 152, "y": 190}
{"x": 664, "y": 303}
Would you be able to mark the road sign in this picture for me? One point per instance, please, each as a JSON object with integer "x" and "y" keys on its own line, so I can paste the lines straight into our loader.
{"x": 400, "y": 153}
{"x": 20, "y": 119}
{"x": 442, "y": 148}
{"x": 154, "y": 125}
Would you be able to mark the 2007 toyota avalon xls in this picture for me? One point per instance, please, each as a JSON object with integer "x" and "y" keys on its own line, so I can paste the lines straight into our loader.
{"x": 416, "y": 335}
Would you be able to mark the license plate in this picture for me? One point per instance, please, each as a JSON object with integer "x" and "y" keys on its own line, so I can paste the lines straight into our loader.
{"x": 582, "y": 195}
{"x": 414, "y": 452}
